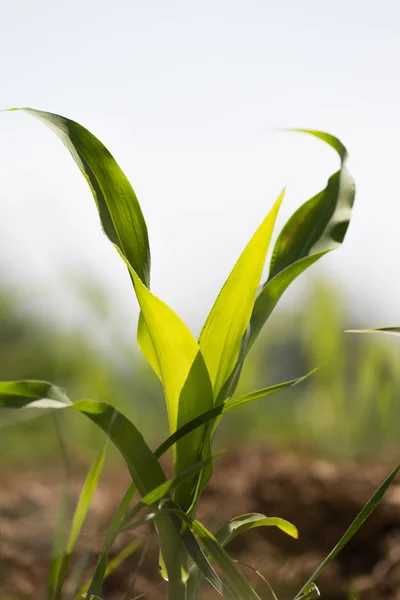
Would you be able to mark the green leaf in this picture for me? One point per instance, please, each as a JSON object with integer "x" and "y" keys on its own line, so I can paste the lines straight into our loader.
{"x": 59, "y": 542}
{"x": 171, "y": 345}
{"x": 85, "y": 499}
{"x": 111, "y": 567}
{"x": 195, "y": 398}
{"x": 79, "y": 517}
{"x": 311, "y": 593}
{"x": 354, "y": 527}
{"x": 112, "y": 532}
{"x": 175, "y": 356}
{"x": 234, "y": 527}
{"x": 167, "y": 348}
{"x": 162, "y": 490}
{"x": 391, "y": 330}
{"x": 143, "y": 465}
{"x": 272, "y": 292}
{"x": 235, "y": 579}
{"x": 119, "y": 209}
{"x": 203, "y": 564}
{"x": 223, "y": 408}
{"x": 227, "y": 322}
{"x": 318, "y": 226}
{"x": 16, "y": 394}
{"x": 321, "y": 223}
{"x": 145, "y": 470}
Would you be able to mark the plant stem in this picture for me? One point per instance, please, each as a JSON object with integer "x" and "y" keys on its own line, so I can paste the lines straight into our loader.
{"x": 176, "y": 590}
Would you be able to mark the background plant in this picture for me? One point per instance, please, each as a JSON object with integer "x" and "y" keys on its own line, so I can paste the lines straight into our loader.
{"x": 198, "y": 378}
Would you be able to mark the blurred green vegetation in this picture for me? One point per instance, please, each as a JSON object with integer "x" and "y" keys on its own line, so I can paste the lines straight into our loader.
{"x": 349, "y": 409}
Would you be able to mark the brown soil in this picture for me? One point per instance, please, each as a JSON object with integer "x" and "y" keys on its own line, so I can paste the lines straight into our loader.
{"x": 320, "y": 498}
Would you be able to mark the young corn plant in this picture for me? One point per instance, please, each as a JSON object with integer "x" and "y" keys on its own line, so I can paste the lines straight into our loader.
{"x": 199, "y": 377}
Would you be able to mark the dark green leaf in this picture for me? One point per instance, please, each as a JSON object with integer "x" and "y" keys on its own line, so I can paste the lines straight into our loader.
{"x": 223, "y": 408}
{"x": 236, "y": 580}
{"x": 118, "y": 207}
{"x": 144, "y": 467}
{"x": 317, "y": 227}
{"x": 16, "y": 394}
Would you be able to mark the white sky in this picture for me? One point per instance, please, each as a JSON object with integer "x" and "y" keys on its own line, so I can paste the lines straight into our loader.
{"x": 186, "y": 95}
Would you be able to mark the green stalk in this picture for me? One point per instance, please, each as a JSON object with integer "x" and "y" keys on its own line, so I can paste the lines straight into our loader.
{"x": 173, "y": 557}
{"x": 177, "y": 590}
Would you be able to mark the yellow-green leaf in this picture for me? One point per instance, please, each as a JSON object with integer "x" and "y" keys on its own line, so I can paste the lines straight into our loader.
{"x": 227, "y": 322}
{"x": 168, "y": 343}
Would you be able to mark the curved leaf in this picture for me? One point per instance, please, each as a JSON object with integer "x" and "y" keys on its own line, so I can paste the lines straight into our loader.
{"x": 120, "y": 213}
{"x": 175, "y": 356}
{"x": 235, "y": 579}
{"x": 270, "y": 295}
{"x": 318, "y": 226}
{"x": 321, "y": 223}
{"x": 234, "y": 527}
{"x": 16, "y": 394}
{"x": 227, "y": 322}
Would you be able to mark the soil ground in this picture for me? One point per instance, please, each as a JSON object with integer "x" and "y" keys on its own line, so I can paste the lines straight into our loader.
{"x": 320, "y": 498}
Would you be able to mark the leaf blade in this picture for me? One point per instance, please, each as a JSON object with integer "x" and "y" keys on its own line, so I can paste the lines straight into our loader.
{"x": 119, "y": 210}
{"x": 238, "y": 525}
{"x": 229, "y": 317}
{"x": 317, "y": 227}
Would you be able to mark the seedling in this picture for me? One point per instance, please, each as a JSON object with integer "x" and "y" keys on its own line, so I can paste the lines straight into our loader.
{"x": 199, "y": 377}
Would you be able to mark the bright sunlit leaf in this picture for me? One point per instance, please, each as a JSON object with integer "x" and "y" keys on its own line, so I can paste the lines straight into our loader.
{"x": 227, "y": 322}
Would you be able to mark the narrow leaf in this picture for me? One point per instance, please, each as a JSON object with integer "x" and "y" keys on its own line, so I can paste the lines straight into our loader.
{"x": 79, "y": 517}
{"x": 111, "y": 567}
{"x": 354, "y": 527}
{"x": 321, "y": 223}
{"x": 119, "y": 209}
{"x": 311, "y": 593}
{"x": 174, "y": 354}
{"x": 163, "y": 490}
{"x": 223, "y": 408}
{"x": 85, "y": 499}
{"x": 318, "y": 226}
{"x": 227, "y": 322}
{"x": 221, "y": 558}
{"x": 203, "y": 564}
{"x": 15, "y": 394}
{"x": 173, "y": 347}
{"x": 59, "y": 542}
{"x": 143, "y": 465}
{"x": 391, "y": 330}
{"x": 238, "y": 525}
{"x": 112, "y": 532}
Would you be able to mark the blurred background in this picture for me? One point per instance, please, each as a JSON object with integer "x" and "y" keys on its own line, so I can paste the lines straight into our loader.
{"x": 193, "y": 99}
{"x": 348, "y": 410}
{"x": 190, "y": 100}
